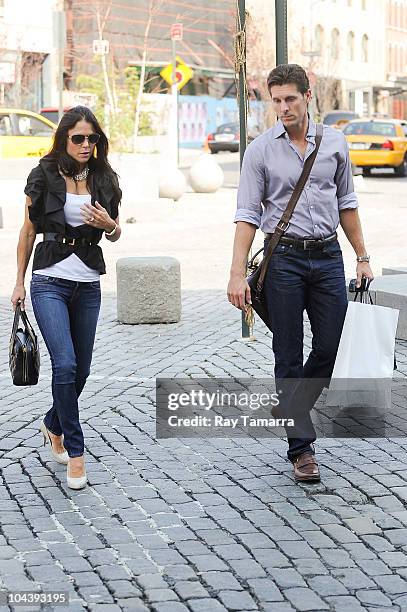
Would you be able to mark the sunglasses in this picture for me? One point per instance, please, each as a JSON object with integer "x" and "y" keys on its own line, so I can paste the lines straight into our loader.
{"x": 78, "y": 139}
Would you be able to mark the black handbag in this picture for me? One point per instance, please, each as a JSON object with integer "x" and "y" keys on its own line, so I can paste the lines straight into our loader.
{"x": 258, "y": 270}
{"x": 24, "y": 354}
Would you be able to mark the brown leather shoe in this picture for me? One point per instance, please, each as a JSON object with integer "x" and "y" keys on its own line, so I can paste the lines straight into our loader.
{"x": 306, "y": 468}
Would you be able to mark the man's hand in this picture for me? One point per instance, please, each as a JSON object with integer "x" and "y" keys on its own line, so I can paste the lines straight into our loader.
{"x": 239, "y": 292}
{"x": 363, "y": 270}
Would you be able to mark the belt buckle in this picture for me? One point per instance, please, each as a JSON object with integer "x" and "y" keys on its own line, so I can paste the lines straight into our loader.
{"x": 305, "y": 242}
{"x": 70, "y": 241}
{"x": 282, "y": 226}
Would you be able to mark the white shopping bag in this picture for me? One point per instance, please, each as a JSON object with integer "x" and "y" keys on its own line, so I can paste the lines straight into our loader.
{"x": 366, "y": 351}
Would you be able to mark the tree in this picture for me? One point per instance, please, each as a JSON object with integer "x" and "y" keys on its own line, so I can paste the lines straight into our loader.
{"x": 153, "y": 8}
{"x": 261, "y": 58}
{"x": 101, "y": 22}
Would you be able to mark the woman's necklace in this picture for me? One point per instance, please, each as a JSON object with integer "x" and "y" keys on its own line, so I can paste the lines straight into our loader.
{"x": 81, "y": 176}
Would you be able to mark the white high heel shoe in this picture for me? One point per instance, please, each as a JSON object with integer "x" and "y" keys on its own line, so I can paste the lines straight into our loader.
{"x": 59, "y": 457}
{"x": 78, "y": 482}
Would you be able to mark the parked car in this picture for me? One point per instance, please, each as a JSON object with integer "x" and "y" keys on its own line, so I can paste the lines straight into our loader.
{"x": 52, "y": 113}
{"x": 339, "y": 118}
{"x": 24, "y": 133}
{"x": 227, "y": 137}
{"x": 378, "y": 143}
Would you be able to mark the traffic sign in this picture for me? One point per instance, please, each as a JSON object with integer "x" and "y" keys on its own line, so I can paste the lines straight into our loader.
{"x": 176, "y": 31}
{"x": 183, "y": 73}
{"x": 101, "y": 47}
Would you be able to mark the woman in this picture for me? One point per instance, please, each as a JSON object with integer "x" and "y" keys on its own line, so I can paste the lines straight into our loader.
{"x": 72, "y": 198}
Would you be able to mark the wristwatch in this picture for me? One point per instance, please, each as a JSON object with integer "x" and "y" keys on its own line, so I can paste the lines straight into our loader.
{"x": 363, "y": 258}
{"x": 112, "y": 233}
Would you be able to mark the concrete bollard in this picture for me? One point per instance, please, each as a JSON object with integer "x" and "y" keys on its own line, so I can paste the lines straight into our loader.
{"x": 172, "y": 183}
{"x": 205, "y": 175}
{"x": 148, "y": 290}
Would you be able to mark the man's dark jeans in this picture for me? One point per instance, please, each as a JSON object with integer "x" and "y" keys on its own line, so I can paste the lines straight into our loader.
{"x": 311, "y": 280}
{"x": 67, "y": 313}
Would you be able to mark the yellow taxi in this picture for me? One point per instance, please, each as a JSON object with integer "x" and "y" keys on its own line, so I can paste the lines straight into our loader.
{"x": 378, "y": 143}
{"x": 24, "y": 133}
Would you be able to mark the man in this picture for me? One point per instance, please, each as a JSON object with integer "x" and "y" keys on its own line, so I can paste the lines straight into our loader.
{"x": 301, "y": 275}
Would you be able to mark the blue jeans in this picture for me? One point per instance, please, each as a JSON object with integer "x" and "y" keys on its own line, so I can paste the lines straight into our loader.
{"x": 309, "y": 280}
{"x": 67, "y": 313}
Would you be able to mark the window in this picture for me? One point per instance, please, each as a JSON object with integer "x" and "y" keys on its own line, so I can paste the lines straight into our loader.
{"x": 319, "y": 39}
{"x": 335, "y": 44}
{"x": 365, "y": 45}
{"x": 404, "y": 128}
{"x": 370, "y": 128}
{"x": 30, "y": 126}
{"x": 5, "y": 125}
{"x": 393, "y": 58}
{"x": 351, "y": 46}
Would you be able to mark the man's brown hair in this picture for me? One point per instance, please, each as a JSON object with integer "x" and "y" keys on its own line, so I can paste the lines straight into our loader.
{"x": 289, "y": 73}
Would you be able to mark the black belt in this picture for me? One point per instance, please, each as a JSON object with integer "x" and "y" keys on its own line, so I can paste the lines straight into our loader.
{"x": 68, "y": 239}
{"x": 305, "y": 243}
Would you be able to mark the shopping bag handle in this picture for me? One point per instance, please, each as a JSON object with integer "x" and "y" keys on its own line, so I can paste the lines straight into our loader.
{"x": 363, "y": 292}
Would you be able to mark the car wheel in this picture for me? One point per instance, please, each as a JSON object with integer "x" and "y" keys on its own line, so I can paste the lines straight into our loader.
{"x": 214, "y": 152}
{"x": 366, "y": 172}
{"x": 402, "y": 169}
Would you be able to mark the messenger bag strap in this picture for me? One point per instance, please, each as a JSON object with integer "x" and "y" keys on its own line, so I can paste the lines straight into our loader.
{"x": 285, "y": 219}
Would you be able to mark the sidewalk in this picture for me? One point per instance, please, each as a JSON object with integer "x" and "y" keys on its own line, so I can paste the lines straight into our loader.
{"x": 193, "y": 525}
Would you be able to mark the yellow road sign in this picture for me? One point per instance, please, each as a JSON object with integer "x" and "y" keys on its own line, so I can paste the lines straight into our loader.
{"x": 183, "y": 73}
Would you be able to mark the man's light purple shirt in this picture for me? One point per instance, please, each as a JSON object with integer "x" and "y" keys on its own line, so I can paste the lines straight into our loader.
{"x": 271, "y": 168}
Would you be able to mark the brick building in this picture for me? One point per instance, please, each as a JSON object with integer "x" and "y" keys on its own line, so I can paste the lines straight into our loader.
{"x": 207, "y": 44}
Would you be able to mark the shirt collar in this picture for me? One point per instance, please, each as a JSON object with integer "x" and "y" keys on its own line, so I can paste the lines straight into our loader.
{"x": 279, "y": 129}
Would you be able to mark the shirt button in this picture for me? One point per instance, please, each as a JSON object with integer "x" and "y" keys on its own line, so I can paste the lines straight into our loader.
{"x": 315, "y": 225}
{"x": 311, "y": 207}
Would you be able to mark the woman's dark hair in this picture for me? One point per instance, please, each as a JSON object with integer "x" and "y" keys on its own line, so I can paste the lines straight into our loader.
{"x": 69, "y": 166}
{"x": 289, "y": 73}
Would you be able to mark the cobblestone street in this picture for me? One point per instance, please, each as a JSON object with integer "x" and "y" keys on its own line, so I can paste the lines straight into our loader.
{"x": 189, "y": 524}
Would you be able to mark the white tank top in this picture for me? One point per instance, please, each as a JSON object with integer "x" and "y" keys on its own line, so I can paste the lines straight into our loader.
{"x": 72, "y": 268}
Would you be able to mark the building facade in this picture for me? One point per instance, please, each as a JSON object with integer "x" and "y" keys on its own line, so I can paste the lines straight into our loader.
{"x": 396, "y": 60}
{"x": 206, "y": 45}
{"x": 342, "y": 44}
{"x": 26, "y": 58}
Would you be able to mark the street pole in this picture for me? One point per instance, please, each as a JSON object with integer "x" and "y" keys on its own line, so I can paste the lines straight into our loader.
{"x": 247, "y": 330}
{"x": 174, "y": 92}
{"x": 281, "y": 32}
{"x": 60, "y": 39}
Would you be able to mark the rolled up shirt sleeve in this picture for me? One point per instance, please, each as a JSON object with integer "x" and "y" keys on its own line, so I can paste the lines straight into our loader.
{"x": 344, "y": 180}
{"x": 251, "y": 187}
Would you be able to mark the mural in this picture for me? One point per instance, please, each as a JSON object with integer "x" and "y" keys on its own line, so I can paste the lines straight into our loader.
{"x": 200, "y": 115}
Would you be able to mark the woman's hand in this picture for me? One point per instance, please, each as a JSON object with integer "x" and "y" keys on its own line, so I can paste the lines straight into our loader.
{"x": 18, "y": 296}
{"x": 97, "y": 216}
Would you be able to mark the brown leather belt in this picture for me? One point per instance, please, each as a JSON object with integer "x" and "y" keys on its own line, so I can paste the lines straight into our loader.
{"x": 305, "y": 243}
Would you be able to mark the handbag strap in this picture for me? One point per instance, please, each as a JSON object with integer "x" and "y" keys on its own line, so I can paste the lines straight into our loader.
{"x": 17, "y": 314}
{"x": 285, "y": 219}
{"x": 23, "y": 315}
{"x": 27, "y": 324}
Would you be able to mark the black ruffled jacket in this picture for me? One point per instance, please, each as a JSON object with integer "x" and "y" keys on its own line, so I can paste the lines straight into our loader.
{"x": 47, "y": 190}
